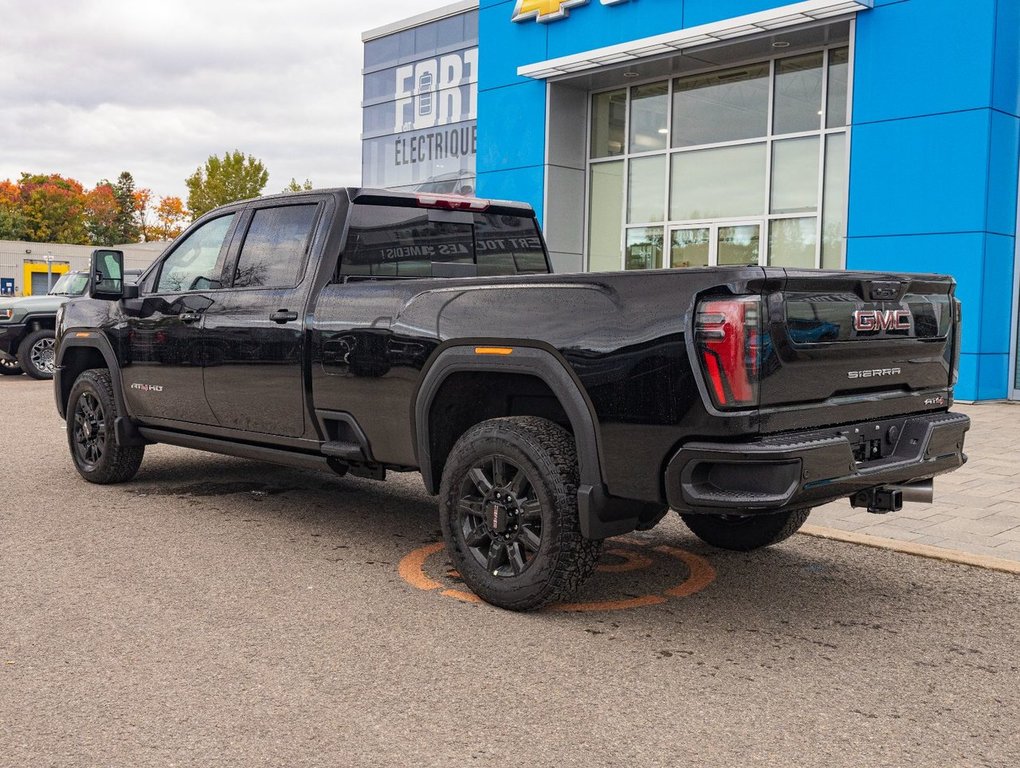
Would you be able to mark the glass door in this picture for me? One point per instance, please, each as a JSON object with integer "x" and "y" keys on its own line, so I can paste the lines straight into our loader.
{"x": 710, "y": 245}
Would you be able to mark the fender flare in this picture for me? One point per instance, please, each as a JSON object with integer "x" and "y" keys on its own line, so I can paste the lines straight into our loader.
{"x": 99, "y": 342}
{"x": 532, "y": 361}
{"x": 600, "y": 515}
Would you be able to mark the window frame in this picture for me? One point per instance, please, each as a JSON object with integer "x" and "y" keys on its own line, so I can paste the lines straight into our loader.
{"x": 149, "y": 282}
{"x": 244, "y": 228}
{"x": 769, "y": 139}
{"x": 339, "y": 278}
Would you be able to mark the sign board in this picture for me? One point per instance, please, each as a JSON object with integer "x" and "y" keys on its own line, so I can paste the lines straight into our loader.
{"x": 6, "y": 286}
{"x": 430, "y": 127}
{"x": 550, "y": 10}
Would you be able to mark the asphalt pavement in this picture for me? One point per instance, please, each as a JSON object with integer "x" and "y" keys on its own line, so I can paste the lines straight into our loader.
{"x": 217, "y": 611}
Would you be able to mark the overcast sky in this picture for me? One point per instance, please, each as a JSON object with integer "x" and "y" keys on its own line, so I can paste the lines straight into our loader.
{"x": 90, "y": 88}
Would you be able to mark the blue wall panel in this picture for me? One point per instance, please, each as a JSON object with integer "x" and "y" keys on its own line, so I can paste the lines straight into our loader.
{"x": 504, "y": 46}
{"x": 1006, "y": 95}
{"x": 1002, "y": 173}
{"x": 511, "y": 126}
{"x": 967, "y": 383}
{"x": 996, "y": 301}
{"x": 517, "y": 184}
{"x": 923, "y": 57}
{"x": 917, "y": 176}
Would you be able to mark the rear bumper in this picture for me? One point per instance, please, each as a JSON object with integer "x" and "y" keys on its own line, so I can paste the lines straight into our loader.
{"x": 11, "y": 335}
{"x": 804, "y": 469}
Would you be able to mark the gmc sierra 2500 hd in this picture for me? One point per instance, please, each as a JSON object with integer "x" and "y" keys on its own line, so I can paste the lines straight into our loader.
{"x": 366, "y": 331}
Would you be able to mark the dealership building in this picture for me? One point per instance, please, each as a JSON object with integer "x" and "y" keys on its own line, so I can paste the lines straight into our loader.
{"x": 842, "y": 134}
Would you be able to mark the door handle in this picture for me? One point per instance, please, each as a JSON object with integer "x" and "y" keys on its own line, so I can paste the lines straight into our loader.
{"x": 189, "y": 316}
{"x": 282, "y": 316}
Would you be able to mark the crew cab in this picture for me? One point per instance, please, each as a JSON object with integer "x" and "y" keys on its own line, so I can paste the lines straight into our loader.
{"x": 368, "y": 332}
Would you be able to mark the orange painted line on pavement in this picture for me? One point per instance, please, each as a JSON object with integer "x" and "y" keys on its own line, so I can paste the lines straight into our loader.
{"x": 460, "y": 594}
{"x": 411, "y": 568}
{"x": 635, "y": 562}
{"x": 701, "y": 572}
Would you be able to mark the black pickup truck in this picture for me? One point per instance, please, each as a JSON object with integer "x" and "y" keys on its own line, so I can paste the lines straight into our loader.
{"x": 365, "y": 331}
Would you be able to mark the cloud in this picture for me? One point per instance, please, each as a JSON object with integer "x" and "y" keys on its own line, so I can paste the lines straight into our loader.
{"x": 91, "y": 89}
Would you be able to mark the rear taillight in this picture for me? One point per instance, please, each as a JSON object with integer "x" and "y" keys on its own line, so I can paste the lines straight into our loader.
{"x": 727, "y": 333}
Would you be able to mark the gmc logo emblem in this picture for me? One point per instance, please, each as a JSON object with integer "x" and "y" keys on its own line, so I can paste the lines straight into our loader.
{"x": 866, "y": 320}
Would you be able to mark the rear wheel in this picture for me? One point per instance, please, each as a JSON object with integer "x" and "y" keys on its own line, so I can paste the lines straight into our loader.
{"x": 743, "y": 533}
{"x": 9, "y": 367}
{"x": 37, "y": 354}
{"x": 91, "y": 413}
{"x": 508, "y": 509}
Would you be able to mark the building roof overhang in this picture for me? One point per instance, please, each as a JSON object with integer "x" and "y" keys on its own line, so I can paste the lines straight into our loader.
{"x": 772, "y": 20}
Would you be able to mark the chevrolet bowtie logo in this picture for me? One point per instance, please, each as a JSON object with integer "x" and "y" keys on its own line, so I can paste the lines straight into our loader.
{"x": 550, "y": 10}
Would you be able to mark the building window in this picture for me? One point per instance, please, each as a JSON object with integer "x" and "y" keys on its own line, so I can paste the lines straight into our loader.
{"x": 745, "y": 165}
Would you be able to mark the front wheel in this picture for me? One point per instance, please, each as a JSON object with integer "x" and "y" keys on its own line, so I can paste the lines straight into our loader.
{"x": 508, "y": 509}
{"x": 742, "y": 533}
{"x": 91, "y": 413}
{"x": 37, "y": 354}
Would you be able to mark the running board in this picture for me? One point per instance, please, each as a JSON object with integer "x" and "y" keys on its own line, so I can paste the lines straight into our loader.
{"x": 241, "y": 450}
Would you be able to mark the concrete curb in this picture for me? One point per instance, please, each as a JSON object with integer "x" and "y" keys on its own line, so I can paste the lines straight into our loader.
{"x": 919, "y": 550}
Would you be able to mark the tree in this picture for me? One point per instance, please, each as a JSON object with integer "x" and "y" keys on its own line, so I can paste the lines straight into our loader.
{"x": 102, "y": 211}
{"x": 170, "y": 219}
{"x": 124, "y": 191}
{"x": 234, "y": 177}
{"x": 53, "y": 207}
{"x": 143, "y": 197}
{"x": 13, "y": 222}
{"x": 295, "y": 187}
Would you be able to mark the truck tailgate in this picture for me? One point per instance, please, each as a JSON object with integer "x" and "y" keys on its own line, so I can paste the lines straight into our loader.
{"x": 860, "y": 339}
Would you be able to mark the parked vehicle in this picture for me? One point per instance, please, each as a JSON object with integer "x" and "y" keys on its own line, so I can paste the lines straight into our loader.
{"x": 27, "y": 336}
{"x": 366, "y": 331}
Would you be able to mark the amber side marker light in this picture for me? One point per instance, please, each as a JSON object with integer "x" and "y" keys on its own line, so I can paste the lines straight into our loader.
{"x": 82, "y": 335}
{"x": 493, "y": 351}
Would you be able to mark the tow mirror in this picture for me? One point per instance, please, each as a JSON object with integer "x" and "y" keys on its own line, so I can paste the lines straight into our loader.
{"x": 106, "y": 280}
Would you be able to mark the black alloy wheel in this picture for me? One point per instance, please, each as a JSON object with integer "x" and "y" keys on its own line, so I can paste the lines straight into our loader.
{"x": 89, "y": 431}
{"x": 508, "y": 509}
{"x": 501, "y": 519}
{"x": 92, "y": 411}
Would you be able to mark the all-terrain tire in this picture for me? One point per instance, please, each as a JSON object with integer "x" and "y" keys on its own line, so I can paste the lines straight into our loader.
{"x": 91, "y": 413}
{"x": 742, "y": 533}
{"x": 9, "y": 367}
{"x": 521, "y": 548}
{"x": 37, "y": 354}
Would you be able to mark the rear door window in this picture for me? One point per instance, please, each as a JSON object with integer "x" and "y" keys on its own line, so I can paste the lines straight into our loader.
{"x": 275, "y": 247}
{"x": 386, "y": 241}
{"x": 392, "y": 241}
{"x": 508, "y": 245}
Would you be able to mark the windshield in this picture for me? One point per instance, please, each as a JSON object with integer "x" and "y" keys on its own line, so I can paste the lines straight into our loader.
{"x": 73, "y": 284}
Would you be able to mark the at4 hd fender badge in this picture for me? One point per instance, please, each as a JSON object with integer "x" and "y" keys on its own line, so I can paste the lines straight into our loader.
{"x": 147, "y": 387}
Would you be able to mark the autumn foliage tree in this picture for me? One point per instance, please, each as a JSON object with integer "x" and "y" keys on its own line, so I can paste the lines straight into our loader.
{"x": 171, "y": 219}
{"x": 102, "y": 210}
{"x": 233, "y": 177}
{"x": 53, "y": 208}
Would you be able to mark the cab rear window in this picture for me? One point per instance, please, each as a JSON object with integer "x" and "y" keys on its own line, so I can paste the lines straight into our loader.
{"x": 391, "y": 241}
